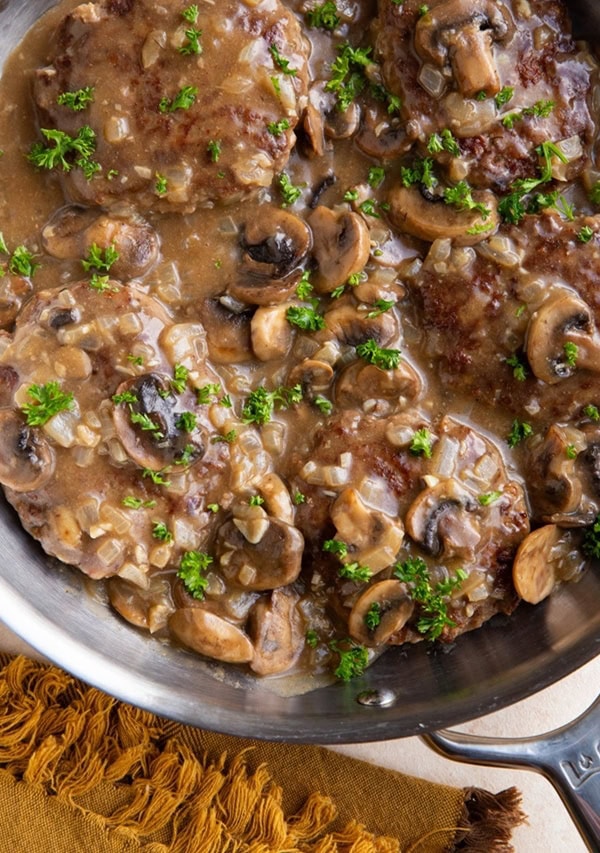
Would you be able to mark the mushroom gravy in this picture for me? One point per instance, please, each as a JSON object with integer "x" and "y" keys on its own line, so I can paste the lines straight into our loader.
{"x": 299, "y": 309}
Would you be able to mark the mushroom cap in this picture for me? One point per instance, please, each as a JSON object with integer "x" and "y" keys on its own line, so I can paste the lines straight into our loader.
{"x": 565, "y": 318}
{"x": 439, "y": 520}
{"x": 352, "y": 327}
{"x": 156, "y": 449}
{"x": 210, "y": 635}
{"x": 26, "y": 458}
{"x": 228, "y": 333}
{"x": 437, "y": 31}
{"x": 341, "y": 246}
{"x": 274, "y": 560}
{"x": 533, "y": 571}
{"x": 276, "y": 629}
{"x": 396, "y": 608}
{"x": 412, "y": 213}
{"x": 360, "y": 382}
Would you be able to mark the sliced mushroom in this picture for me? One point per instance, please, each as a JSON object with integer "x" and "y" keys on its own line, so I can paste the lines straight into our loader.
{"x": 273, "y": 561}
{"x": 72, "y": 230}
{"x": 460, "y": 34}
{"x": 228, "y": 333}
{"x": 373, "y": 537}
{"x": 342, "y": 124}
{"x": 341, "y": 246}
{"x": 26, "y": 459}
{"x": 275, "y": 243}
{"x": 271, "y": 333}
{"x": 442, "y": 520}
{"x": 360, "y": 382}
{"x": 166, "y": 444}
{"x": 353, "y": 327}
{"x": 381, "y": 137}
{"x": 534, "y": 574}
{"x": 13, "y": 291}
{"x": 394, "y": 608}
{"x": 560, "y": 323}
{"x": 145, "y": 608}
{"x": 210, "y": 635}
{"x": 276, "y": 629}
{"x": 555, "y": 484}
{"x": 312, "y": 374}
{"x": 414, "y": 214}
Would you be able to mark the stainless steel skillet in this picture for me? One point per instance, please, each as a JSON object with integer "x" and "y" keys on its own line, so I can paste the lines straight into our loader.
{"x": 404, "y": 693}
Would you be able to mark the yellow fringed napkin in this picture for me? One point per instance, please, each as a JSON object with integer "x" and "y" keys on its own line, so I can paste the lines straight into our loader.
{"x": 81, "y": 772}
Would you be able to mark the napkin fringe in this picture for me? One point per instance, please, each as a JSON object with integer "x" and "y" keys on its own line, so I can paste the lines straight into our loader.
{"x": 86, "y": 748}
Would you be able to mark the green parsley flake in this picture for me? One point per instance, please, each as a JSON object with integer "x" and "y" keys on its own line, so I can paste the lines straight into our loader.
{"x": 376, "y": 176}
{"x": 385, "y": 359}
{"x": 157, "y": 477}
{"x": 125, "y": 397}
{"x": 489, "y": 498}
{"x": 192, "y": 46}
{"x": 205, "y": 394}
{"x": 65, "y": 151}
{"x": 421, "y": 443}
{"x": 100, "y": 259}
{"x": 347, "y": 74}
{"x": 312, "y": 638}
{"x": 180, "y": 377}
{"x": 324, "y": 17}
{"x": 305, "y": 318}
{"x": 21, "y": 263}
{"x": 261, "y": 404}
{"x": 519, "y": 369}
{"x": 78, "y": 100}
{"x": 214, "y": 149}
{"x": 161, "y": 532}
{"x": 591, "y": 540}
{"x": 161, "y": 185}
{"x": 373, "y": 616}
{"x": 585, "y": 234}
{"x": 432, "y": 600}
{"x": 186, "y": 422}
{"x": 504, "y": 96}
{"x": 337, "y": 547}
{"x": 48, "y": 400}
{"x": 276, "y": 128}
{"x": 461, "y": 197}
{"x": 190, "y": 14}
{"x": 519, "y": 431}
{"x": 592, "y": 412}
{"x": 256, "y": 500}
{"x": 132, "y": 502}
{"x": 443, "y": 141}
{"x": 183, "y": 100}
{"x": 380, "y": 306}
{"x": 355, "y": 572}
{"x": 368, "y": 207}
{"x": 192, "y": 568}
{"x": 571, "y": 451}
{"x": 280, "y": 62}
{"x": 298, "y": 498}
{"x": 324, "y": 405}
{"x": 147, "y": 424}
{"x": 353, "y": 659}
{"x": 571, "y": 352}
{"x": 289, "y": 193}
{"x": 227, "y": 438}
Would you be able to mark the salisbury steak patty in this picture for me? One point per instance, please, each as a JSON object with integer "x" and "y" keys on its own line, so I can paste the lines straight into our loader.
{"x": 95, "y": 453}
{"x": 185, "y": 107}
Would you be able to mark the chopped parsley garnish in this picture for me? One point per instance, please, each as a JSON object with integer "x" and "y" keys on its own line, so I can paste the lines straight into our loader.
{"x": 132, "y": 502}
{"x": 541, "y": 109}
{"x": 422, "y": 10}
{"x": 376, "y": 176}
{"x": 180, "y": 377}
{"x": 280, "y": 62}
{"x": 276, "y": 85}
{"x": 571, "y": 352}
{"x": 289, "y": 192}
{"x": 298, "y": 498}
{"x": 227, "y": 438}
{"x": 353, "y": 659}
{"x": 519, "y": 369}
{"x": 571, "y": 451}
{"x": 21, "y": 262}
{"x": 186, "y": 422}
{"x": 304, "y": 287}
{"x": 351, "y": 195}
{"x": 312, "y": 638}
{"x": 260, "y": 405}
{"x": 337, "y": 291}
{"x": 147, "y": 424}
{"x": 78, "y": 100}
{"x": 518, "y": 432}
{"x": 256, "y": 500}
{"x": 421, "y": 172}
{"x": 511, "y": 207}
{"x": 337, "y": 547}
{"x": 461, "y": 197}
{"x": 368, "y": 207}
{"x": 48, "y": 400}
{"x": 214, "y": 508}
{"x": 161, "y": 184}
{"x": 156, "y": 476}
{"x": 65, "y": 151}
{"x": 594, "y": 193}
{"x": 347, "y": 74}
{"x": 433, "y": 616}
{"x": 324, "y": 17}
{"x": 278, "y": 127}
{"x": 190, "y": 14}
{"x": 489, "y": 498}
{"x": 192, "y": 567}
{"x": 183, "y": 100}
{"x": 136, "y": 359}
{"x": 305, "y": 318}
{"x": 161, "y": 531}
{"x": 214, "y": 149}
{"x": 3, "y": 247}
{"x": 373, "y": 616}
{"x": 443, "y": 141}
{"x": 481, "y": 96}
{"x": 421, "y": 442}
{"x": 585, "y": 234}
{"x": 355, "y": 572}
{"x": 192, "y": 46}
{"x": 592, "y": 412}
{"x": 323, "y": 404}
{"x": 355, "y": 279}
{"x": 591, "y": 540}
{"x": 100, "y": 259}
{"x": 124, "y": 397}
{"x": 385, "y": 359}
{"x": 101, "y": 283}
{"x": 205, "y": 394}
{"x": 504, "y": 96}
{"x": 187, "y": 455}
{"x": 380, "y": 306}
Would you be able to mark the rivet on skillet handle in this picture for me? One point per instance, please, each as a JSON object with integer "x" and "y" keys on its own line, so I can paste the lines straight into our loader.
{"x": 569, "y": 757}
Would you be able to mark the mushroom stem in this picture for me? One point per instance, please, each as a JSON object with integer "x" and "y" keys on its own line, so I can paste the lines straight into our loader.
{"x": 473, "y": 63}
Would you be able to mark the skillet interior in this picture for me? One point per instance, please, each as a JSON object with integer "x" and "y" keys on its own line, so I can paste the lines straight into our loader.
{"x": 497, "y": 665}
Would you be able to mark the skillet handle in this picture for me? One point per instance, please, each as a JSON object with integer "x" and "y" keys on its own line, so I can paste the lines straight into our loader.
{"x": 569, "y": 757}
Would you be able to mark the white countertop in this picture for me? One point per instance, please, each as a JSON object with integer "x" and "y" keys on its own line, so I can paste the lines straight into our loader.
{"x": 549, "y": 826}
